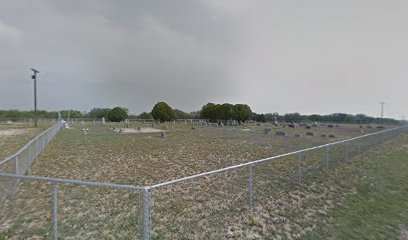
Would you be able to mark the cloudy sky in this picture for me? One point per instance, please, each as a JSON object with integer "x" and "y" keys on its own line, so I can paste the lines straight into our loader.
{"x": 277, "y": 56}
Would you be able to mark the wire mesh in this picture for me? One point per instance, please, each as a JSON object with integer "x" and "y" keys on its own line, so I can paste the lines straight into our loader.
{"x": 99, "y": 213}
{"x": 27, "y": 213}
{"x": 213, "y": 207}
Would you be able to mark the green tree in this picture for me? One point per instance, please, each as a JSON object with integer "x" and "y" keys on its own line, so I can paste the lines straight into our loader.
{"x": 182, "y": 115}
{"x": 209, "y": 111}
{"x": 71, "y": 113}
{"x": 162, "y": 112}
{"x": 242, "y": 112}
{"x": 293, "y": 117}
{"x": 117, "y": 114}
{"x": 145, "y": 115}
{"x": 98, "y": 113}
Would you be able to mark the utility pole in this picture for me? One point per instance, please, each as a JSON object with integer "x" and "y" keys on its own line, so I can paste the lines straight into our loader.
{"x": 382, "y": 109}
{"x": 34, "y": 77}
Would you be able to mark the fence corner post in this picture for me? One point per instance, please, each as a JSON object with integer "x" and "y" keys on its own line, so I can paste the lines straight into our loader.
{"x": 55, "y": 212}
{"x": 146, "y": 214}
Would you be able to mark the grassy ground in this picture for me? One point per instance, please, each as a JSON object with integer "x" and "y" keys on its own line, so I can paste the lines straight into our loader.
{"x": 23, "y": 133}
{"x": 145, "y": 159}
{"x": 379, "y": 207}
{"x": 214, "y": 207}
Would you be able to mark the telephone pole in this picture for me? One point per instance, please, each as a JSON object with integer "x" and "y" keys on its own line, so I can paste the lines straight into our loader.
{"x": 34, "y": 77}
{"x": 382, "y": 109}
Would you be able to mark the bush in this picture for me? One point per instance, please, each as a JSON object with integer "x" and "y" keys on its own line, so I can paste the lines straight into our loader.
{"x": 117, "y": 114}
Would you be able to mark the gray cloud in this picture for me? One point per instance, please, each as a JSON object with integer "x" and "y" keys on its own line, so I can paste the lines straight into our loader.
{"x": 315, "y": 56}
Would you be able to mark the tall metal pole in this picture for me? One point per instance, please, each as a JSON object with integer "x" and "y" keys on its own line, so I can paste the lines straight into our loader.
{"x": 34, "y": 77}
{"x": 382, "y": 108}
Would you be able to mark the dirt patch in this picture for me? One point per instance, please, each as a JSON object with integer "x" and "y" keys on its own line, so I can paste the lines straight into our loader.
{"x": 135, "y": 130}
{"x": 13, "y": 132}
{"x": 403, "y": 233}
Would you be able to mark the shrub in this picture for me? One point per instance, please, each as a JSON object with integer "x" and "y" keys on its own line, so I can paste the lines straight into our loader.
{"x": 117, "y": 114}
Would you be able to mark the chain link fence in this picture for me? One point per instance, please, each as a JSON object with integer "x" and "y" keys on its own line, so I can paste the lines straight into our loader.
{"x": 274, "y": 197}
{"x": 20, "y": 162}
{"x": 277, "y": 197}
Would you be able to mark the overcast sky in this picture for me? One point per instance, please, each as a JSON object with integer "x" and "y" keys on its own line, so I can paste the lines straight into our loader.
{"x": 277, "y": 56}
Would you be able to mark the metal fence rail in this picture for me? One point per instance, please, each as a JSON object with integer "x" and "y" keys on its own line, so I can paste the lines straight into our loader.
{"x": 202, "y": 206}
{"x": 206, "y": 204}
{"x": 20, "y": 162}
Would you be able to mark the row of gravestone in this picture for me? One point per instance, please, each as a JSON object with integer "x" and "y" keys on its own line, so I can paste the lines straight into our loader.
{"x": 283, "y": 133}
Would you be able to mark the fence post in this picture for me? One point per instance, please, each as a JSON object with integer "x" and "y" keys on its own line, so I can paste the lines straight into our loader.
{"x": 55, "y": 212}
{"x": 327, "y": 159}
{"x": 250, "y": 192}
{"x": 346, "y": 153}
{"x": 30, "y": 155}
{"x": 17, "y": 167}
{"x": 146, "y": 214}
{"x": 299, "y": 170}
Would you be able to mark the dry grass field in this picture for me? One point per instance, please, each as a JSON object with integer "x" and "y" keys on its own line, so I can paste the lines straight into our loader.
{"x": 14, "y": 135}
{"x": 144, "y": 159}
{"x": 213, "y": 207}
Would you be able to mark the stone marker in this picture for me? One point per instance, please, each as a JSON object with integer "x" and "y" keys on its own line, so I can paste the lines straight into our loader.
{"x": 103, "y": 120}
{"x": 280, "y": 133}
{"x": 309, "y": 134}
{"x": 162, "y": 134}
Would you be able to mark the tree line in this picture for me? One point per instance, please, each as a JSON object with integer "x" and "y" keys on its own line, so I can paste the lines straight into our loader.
{"x": 213, "y": 112}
